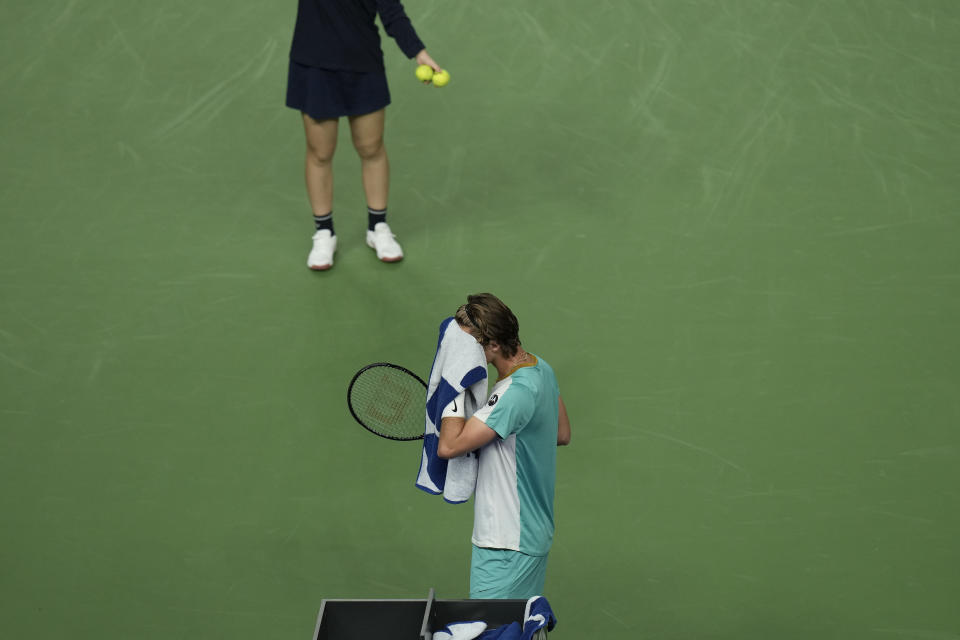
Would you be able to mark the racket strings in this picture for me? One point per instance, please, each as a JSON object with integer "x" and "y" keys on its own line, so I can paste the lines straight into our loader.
{"x": 389, "y": 402}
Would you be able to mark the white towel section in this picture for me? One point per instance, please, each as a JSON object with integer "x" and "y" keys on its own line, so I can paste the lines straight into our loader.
{"x": 459, "y": 367}
{"x": 460, "y": 631}
{"x": 461, "y": 478}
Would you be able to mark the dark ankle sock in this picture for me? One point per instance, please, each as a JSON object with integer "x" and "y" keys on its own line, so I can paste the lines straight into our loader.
{"x": 374, "y": 216}
{"x": 324, "y": 222}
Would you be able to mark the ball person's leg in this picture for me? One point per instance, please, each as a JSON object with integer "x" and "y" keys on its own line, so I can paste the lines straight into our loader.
{"x": 367, "y": 133}
{"x": 321, "y": 144}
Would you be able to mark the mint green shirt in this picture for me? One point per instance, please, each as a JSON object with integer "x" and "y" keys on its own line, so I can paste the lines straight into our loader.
{"x": 513, "y": 506}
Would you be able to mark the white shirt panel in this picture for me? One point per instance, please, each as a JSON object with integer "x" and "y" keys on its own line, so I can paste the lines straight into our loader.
{"x": 496, "y": 522}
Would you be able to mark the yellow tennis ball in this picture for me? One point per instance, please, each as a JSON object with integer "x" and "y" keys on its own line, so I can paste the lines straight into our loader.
{"x": 441, "y": 78}
{"x": 424, "y": 73}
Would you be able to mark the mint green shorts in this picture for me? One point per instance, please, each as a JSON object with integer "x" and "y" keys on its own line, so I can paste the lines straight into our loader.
{"x": 502, "y": 573}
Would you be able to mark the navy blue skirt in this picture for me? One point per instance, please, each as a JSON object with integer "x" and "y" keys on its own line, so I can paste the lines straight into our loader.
{"x": 325, "y": 93}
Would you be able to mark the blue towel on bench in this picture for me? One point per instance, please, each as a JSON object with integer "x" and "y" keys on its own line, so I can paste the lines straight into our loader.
{"x": 537, "y": 615}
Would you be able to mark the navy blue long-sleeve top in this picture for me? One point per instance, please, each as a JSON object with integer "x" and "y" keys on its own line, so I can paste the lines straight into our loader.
{"x": 343, "y": 34}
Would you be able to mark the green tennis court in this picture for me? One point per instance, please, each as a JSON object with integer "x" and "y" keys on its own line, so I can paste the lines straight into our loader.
{"x": 731, "y": 227}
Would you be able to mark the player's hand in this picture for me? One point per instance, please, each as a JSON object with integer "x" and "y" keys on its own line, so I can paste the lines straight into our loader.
{"x": 424, "y": 58}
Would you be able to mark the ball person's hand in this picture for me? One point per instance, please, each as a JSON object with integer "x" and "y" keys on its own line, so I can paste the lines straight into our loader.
{"x": 424, "y": 58}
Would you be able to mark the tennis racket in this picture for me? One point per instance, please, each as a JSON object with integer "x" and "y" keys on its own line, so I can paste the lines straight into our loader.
{"x": 388, "y": 400}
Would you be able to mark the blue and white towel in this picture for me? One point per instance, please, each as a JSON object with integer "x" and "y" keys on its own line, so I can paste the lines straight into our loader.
{"x": 537, "y": 615}
{"x": 459, "y": 366}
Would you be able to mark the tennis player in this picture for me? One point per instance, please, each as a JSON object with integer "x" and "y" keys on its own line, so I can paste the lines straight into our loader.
{"x": 517, "y": 432}
{"x": 336, "y": 69}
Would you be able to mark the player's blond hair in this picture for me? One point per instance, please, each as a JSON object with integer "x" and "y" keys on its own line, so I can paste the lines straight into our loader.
{"x": 489, "y": 320}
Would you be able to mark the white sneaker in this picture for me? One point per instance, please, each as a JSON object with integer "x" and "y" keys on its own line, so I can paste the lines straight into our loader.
{"x": 324, "y": 245}
{"x": 382, "y": 240}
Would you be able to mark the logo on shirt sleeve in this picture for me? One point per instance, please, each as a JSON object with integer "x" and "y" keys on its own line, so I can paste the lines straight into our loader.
{"x": 493, "y": 400}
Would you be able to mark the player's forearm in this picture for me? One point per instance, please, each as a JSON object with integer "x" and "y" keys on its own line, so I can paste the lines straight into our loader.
{"x": 563, "y": 428}
{"x": 451, "y": 428}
